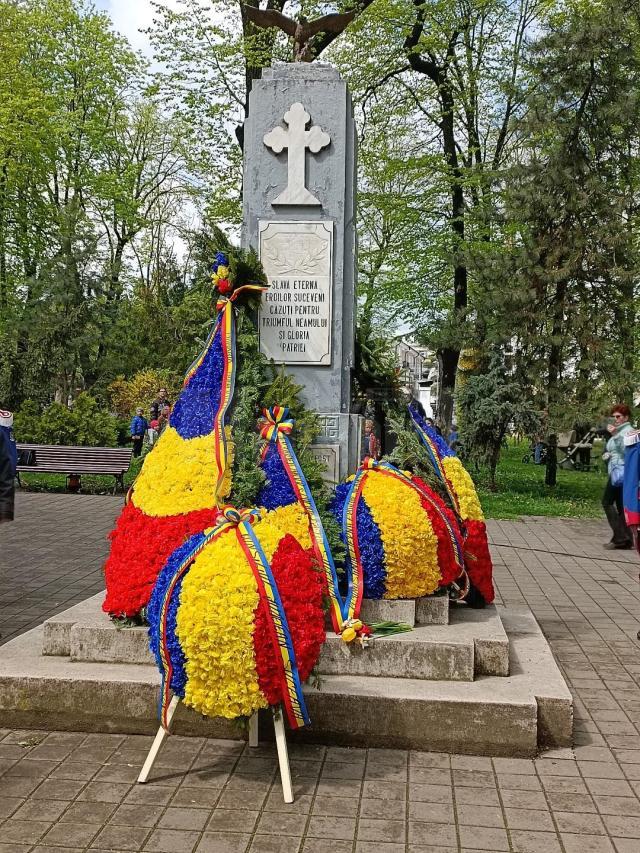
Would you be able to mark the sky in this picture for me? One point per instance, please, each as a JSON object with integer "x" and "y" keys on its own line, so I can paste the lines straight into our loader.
{"x": 130, "y": 16}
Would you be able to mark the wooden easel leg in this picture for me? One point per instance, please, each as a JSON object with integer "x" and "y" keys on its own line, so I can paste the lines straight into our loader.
{"x": 253, "y": 729}
{"x": 157, "y": 743}
{"x": 283, "y": 756}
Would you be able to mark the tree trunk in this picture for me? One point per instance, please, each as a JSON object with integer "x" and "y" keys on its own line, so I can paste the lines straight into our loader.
{"x": 4, "y": 295}
{"x": 493, "y": 462}
{"x": 449, "y": 356}
{"x": 551, "y": 468}
{"x": 447, "y": 369}
{"x": 555, "y": 350}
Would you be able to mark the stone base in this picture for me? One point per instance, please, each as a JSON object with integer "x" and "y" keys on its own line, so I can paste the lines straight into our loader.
{"x": 511, "y": 715}
{"x": 430, "y": 610}
{"x": 474, "y": 644}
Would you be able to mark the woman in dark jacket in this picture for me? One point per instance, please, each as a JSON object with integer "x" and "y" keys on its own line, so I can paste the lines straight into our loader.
{"x": 7, "y": 476}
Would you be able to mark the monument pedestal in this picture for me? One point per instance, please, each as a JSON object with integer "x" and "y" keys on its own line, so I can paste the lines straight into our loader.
{"x": 299, "y": 214}
{"x": 484, "y": 684}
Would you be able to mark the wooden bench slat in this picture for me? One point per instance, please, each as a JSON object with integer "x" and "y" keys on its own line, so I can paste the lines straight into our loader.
{"x": 71, "y": 469}
{"x": 65, "y": 459}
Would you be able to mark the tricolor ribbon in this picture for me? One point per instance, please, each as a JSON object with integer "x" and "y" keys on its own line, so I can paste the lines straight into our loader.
{"x": 292, "y": 695}
{"x": 349, "y": 512}
{"x": 276, "y": 428}
{"x": 225, "y": 326}
{"x": 228, "y": 518}
{"x": 241, "y": 520}
{"x": 435, "y": 460}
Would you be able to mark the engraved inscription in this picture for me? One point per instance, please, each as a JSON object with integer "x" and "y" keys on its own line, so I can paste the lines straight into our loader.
{"x": 295, "y": 315}
{"x": 329, "y": 456}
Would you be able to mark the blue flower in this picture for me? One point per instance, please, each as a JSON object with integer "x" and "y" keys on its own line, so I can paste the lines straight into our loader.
{"x": 337, "y": 502}
{"x": 371, "y": 553}
{"x": 199, "y": 400}
{"x": 369, "y": 542}
{"x": 441, "y": 445}
{"x": 176, "y": 655}
{"x": 277, "y": 490}
{"x": 220, "y": 261}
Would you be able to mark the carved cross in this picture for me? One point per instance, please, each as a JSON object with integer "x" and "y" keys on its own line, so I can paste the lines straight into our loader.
{"x": 296, "y": 140}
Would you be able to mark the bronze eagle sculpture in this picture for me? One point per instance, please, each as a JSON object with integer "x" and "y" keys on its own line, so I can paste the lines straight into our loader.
{"x": 300, "y": 30}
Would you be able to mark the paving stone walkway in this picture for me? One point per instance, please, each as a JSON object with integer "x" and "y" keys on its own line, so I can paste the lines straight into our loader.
{"x": 70, "y": 793}
{"x": 51, "y": 556}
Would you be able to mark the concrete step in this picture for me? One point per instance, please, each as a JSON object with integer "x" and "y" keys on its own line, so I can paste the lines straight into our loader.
{"x": 429, "y": 610}
{"x": 424, "y": 653}
{"x": 474, "y": 644}
{"x": 514, "y": 715}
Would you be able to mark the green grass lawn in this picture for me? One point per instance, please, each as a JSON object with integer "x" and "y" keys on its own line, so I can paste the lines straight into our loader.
{"x": 521, "y": 489}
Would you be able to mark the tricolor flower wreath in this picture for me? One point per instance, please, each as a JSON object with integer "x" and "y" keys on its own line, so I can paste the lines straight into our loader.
{"x": 406, "y": 542}
{"x": 236, "y": 621}
{"x": 235, "y": 597}
{"x": 188, "y": 474}
{"x": 211, "y": 616}
{"x": 464, "y": 499}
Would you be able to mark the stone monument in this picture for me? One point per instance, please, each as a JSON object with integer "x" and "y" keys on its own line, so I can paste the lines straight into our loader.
{"x": 299, "y": 213}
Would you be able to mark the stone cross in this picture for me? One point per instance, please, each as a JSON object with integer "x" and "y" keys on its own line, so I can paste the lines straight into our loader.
{"x": 296, "y": 140}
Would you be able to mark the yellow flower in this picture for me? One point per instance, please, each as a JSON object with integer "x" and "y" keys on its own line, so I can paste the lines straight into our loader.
{"x": 356, "y": 624}
{"x": 410, "y": 545}
{"x": 464, "y": 488}
{"x": 348, "y": 635}
{"x": 215, "y": 625}
{"x": 179, "y": 475}
{"x": 276, "y": 523}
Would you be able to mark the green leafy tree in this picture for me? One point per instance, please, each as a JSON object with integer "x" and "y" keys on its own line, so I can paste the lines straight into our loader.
{"x": 563, "y": 293}
{"x": 84, "y": 424}
{"x": 66, "y": 77}
{"x": 490, "y": 404}
{"x": 445, "y": 72}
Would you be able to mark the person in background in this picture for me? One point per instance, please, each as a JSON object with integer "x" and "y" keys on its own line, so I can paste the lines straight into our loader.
{"x": 371, "y": 441}
{"x": 8, "y": 463}
{"x": 138, "y": 430}
{"x": 631, "y": 487}
{"x": 417, "y": 405}
{"x": 454, "y": 438}
{"x": 163, "y": 420}
{"x": 159, "y": 404}
{"x": 612, "y": 498}
{"x": 152, "y": 432}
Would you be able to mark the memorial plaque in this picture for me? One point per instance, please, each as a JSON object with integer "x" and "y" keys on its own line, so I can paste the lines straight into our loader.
{"x": 329, "y": 456}
{"x": 295, "y": 316}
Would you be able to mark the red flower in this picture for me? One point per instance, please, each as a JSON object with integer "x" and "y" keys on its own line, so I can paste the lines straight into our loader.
{"x": 140, "y": 546}
{"x": 449, "y": 570}
{"x": 224, "y": 286}
{"x": 300, "y": 587}
{"x": 365, "y": 631}
{"x": 478, "y": 559}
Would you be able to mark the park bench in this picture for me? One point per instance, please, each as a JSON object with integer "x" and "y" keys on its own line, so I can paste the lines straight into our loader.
{"x": 74, "y": 461}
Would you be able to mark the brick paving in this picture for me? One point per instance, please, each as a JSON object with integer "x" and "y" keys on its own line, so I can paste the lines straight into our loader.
{"x": 51, "y": 556}
{"x": 67, "y": 793}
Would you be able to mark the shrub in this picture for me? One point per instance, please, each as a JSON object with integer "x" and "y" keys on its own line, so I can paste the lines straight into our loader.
{"x": 85, "y": 423}
{"x": 126, "y": 394}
